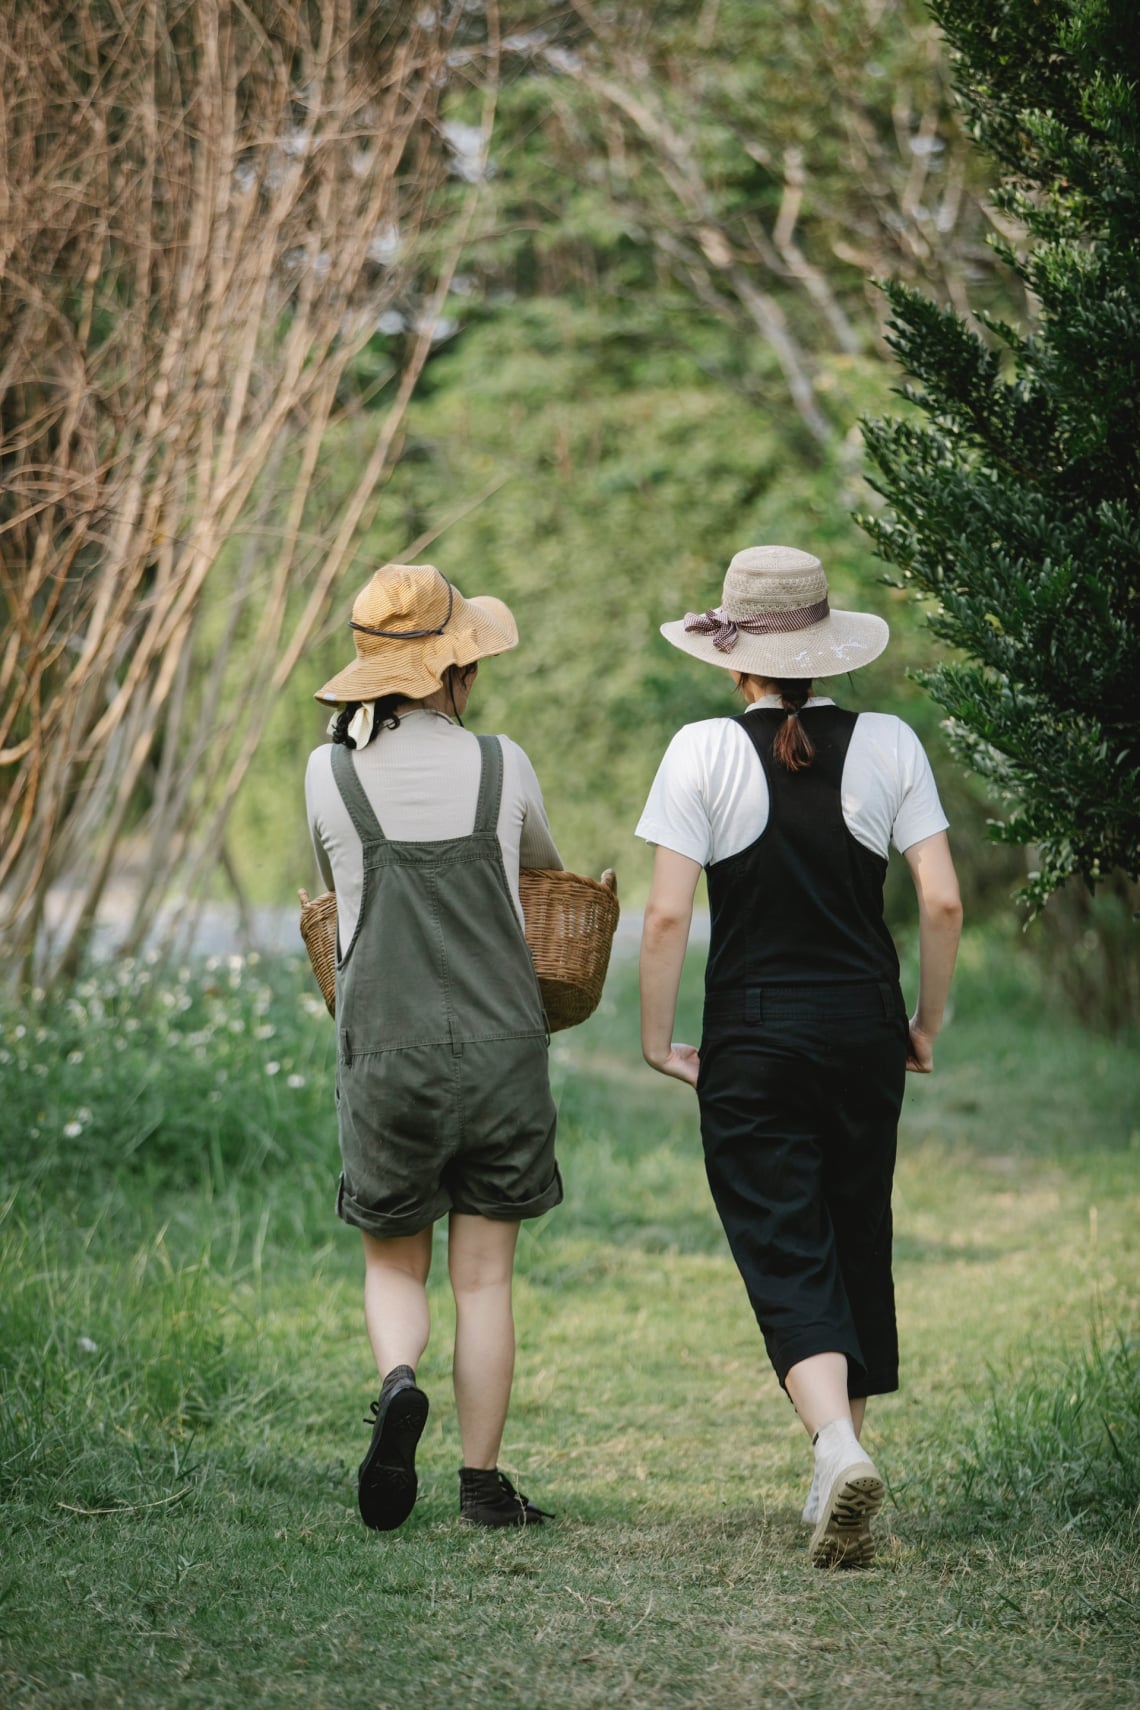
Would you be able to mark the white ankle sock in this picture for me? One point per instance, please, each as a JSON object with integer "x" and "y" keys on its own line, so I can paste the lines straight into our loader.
{"x": 837, "y": 1440}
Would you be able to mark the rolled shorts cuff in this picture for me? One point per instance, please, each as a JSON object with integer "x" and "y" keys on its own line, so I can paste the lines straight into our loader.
{"x": 515, "y": 1212}
{"x": 385, "y": 1224}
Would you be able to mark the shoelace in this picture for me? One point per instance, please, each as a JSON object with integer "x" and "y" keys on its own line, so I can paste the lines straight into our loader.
{"x": 524, "y": 1502}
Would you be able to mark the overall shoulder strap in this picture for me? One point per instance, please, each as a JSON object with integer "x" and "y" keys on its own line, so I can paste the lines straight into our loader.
{"x": 760, "y": 731}
{"x": 490, "y": 784}
{"x": 368, "y": 827}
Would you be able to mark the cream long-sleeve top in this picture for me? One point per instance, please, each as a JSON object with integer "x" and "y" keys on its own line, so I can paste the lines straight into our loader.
{"x": 422, "y": 781}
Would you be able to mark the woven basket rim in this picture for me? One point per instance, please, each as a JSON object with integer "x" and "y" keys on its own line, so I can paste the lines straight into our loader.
{"x": 570, "y": 970}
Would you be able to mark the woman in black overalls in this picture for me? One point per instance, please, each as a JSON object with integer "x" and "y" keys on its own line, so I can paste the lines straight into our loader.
{"x": 806, "y": 1039}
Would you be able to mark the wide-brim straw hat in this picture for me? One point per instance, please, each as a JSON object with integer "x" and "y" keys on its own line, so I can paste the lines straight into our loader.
{"x": 775, "y": 620}
{"x": 408, "y": 625}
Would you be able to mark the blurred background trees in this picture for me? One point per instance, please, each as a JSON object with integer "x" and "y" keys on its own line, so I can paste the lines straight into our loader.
{"x": 656, "y": 327}
{"x": 663, "y": 335}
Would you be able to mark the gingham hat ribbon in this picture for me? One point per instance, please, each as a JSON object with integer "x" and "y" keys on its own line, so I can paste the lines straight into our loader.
{"x": 725, "y": 631}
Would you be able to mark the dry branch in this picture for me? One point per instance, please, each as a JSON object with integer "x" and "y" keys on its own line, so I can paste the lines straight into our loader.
{"x": 207, "y": 207}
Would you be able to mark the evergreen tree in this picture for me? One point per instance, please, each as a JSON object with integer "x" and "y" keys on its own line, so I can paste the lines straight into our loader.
{"x": 1012, "y": 491}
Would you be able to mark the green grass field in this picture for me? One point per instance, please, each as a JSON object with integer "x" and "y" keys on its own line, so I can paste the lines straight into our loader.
{"x": 185, "y": 1378}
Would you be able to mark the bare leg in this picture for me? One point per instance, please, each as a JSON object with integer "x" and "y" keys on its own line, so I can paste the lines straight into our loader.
{"x": 480, "y": 1257}
{"x": 818, "y": 1388}
{"x": 846, "y": 1492}
{"x": 858, "y": 1413}
{"x": 395, "y": 1297}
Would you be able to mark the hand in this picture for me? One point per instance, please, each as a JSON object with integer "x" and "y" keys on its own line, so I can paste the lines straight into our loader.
{"x": 920, "y": 1051}
{"x": 681, "y": 1063}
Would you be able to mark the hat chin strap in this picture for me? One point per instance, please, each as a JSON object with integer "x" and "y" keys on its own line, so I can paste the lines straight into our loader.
{"x": 725, "y": 631}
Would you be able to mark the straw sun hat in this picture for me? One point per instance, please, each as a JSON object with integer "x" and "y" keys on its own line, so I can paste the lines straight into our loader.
{"x": 408, "y": 625}
{"x": 774, "y": 621}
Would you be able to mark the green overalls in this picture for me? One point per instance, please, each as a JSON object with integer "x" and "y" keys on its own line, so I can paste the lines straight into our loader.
{"x": 442, "y": 1087}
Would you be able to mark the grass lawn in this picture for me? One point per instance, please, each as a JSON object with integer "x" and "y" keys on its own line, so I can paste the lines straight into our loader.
{"x": 185, "y": 1377}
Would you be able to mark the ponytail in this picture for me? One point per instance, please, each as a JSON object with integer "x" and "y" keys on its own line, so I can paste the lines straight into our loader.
{"x": 793, "y": 748}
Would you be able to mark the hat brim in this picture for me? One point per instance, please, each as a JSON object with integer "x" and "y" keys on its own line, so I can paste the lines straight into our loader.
{"x": 479, "y": 628}
{"x": 841, "y": 642}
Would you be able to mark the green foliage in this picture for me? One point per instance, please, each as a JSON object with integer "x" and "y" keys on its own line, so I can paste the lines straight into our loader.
{"x": 600, "y": 432}
{"x": 596, "y": 464}
{"x": 1066, "y": 1438}
{"x": 210, "y": 1070}
{"x": 1014, "y": 494}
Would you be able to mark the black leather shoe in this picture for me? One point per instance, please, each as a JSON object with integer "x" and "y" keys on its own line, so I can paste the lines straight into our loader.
{"x": 488, "y": 1498}
{"x": 386, "y": 1489}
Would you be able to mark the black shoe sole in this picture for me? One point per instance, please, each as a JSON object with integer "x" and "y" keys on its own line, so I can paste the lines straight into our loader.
{"x": 386, "y": 1492}
{"x": 515, "y": 1517}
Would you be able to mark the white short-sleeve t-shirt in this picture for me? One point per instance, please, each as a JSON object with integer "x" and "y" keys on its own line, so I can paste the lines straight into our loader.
{"x": 709, "y": 799}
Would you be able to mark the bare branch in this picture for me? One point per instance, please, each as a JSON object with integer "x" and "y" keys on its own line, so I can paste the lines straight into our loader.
{"x": 205, "y": 209}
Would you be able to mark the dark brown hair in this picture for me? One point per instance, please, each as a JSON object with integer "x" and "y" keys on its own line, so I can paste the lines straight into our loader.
{"x": 793, "y": 747}
{"x": 384, "y": 714}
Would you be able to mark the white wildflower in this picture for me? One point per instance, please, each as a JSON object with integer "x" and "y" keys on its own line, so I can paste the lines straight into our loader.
{"x": 273, "y": 1068}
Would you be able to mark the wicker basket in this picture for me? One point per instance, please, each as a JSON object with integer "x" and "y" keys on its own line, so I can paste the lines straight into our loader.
{"x": 570, "y": 924}
{"x": 318, "y": 929}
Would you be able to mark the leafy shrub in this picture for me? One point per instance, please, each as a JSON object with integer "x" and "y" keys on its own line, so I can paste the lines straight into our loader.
{"x": 222, "y": 1067}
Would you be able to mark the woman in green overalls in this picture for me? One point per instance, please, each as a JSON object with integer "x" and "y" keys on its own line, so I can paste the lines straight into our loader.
{"x": 442, "y": 1089}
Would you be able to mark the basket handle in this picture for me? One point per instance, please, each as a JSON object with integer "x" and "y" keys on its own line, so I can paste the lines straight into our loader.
{"x": 304, "y": 896}
{"x": 609, "y": 880}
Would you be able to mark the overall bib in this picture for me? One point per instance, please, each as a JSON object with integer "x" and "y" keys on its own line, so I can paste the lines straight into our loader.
{"x": 803, "y": 1060}
{"x": 443, "y": 1093}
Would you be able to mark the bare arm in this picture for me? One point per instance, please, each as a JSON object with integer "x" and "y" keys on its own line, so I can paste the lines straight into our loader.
{"x": 664, "y": 937}
{"x": 939, "y": 928}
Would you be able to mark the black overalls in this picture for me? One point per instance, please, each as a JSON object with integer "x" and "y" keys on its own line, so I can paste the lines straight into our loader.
{"x": 803, "y": 1059}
